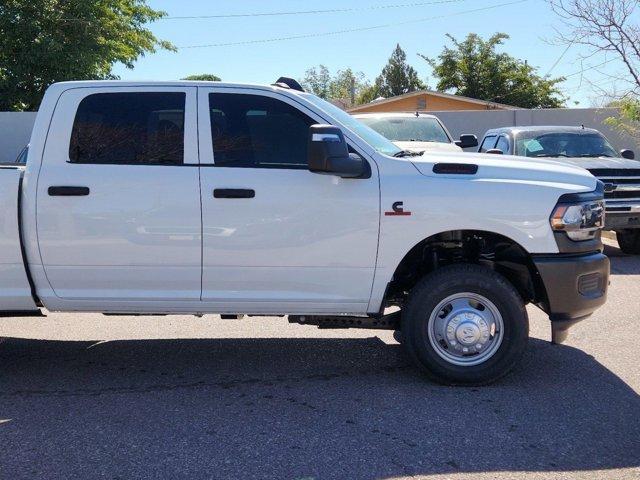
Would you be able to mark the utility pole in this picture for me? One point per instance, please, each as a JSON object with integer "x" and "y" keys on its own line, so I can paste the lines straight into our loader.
{"x": 352, "y": 90}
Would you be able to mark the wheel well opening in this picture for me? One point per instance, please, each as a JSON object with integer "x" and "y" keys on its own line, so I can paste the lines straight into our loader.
{"x": 493, "y": 250}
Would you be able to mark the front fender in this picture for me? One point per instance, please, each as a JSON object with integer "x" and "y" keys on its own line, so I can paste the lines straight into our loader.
{"x": 516, "y": 209}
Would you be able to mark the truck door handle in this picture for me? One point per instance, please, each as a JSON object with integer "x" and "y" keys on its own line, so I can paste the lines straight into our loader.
{"x": 233, "y": 193}
{"x": 68, "y": 191}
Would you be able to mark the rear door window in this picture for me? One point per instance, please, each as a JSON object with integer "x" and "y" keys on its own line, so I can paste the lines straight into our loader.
{"x": 133, "y": 128}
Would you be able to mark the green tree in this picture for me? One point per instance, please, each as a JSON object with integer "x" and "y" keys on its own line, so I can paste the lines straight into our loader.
{"x": 203, "y": 77}
{"x": 397, "y": 77}
{"x": 346, "y": 85}
{"x": 627, "y": 122}
{"x": 474, "y": 68}
{"x": 46, "y": 41}
{"x": 317, "y": 80}
{"x": 368, "y": 95}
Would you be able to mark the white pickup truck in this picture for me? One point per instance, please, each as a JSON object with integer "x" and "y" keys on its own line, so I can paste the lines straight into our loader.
{"x": 196, "y": 197}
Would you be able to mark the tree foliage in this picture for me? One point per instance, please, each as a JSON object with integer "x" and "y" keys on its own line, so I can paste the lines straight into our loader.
{"x": 604, "y": 27}
{"x": 474, "y": 68}
{"x": 345, "y": 85}
{"x": 608, "y": 28}
{"x": 348, "y": 84}
{"x": 46, "y": 41}
{"x": 368, "y": 95}
{"x": 203, "y": 77}
{"x": 317, "y": 80}
{"x": 628, "y": 120}
{"x": 397, "y": 77}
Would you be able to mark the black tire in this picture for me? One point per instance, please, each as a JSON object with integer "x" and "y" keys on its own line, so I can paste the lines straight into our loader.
{"x": 451, "y": 280}
{"x": 629, "y": 241}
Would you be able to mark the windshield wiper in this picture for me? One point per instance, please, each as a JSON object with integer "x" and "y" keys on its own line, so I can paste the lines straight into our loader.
{"x": 595, "y": 155}
{"x": 406, "y": 153}
{"x": 552, "y": 156}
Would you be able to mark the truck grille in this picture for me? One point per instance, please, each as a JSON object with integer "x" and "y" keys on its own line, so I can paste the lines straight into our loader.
{"x": 622, "y": 187}
{"x": 622, "y": 195}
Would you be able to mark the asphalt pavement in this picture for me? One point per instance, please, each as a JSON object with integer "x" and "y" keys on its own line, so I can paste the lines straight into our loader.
{"x": 89, "y": 396}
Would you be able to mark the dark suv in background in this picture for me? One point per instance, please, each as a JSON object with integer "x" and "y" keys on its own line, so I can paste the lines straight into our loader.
{"x": 590, "y": 149}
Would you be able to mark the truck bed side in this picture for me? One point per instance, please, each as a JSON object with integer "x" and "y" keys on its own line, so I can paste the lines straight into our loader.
{"x": 15, "y": 290}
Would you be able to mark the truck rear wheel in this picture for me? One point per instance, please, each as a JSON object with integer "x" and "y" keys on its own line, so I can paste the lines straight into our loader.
{"x": 465, "y": 325}
{"x": 629, "y": 241}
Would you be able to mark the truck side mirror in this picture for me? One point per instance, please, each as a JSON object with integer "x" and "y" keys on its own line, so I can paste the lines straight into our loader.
{"x": 328, "y": 153}
{"x": 628, "y": 154}
{"x": 467, "y": 141}
{"x": 495, "y": 151}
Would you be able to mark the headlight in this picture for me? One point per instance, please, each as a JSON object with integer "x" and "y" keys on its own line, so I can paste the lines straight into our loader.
{"x": 580, "y": 221}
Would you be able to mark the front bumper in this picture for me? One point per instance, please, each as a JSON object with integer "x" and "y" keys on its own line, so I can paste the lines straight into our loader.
{"x": 576, "y": 286}
{"x": 621, "y": 218}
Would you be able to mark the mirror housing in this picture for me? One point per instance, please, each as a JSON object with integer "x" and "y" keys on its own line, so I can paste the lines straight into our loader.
{"x": 328, "y": 153}
{"x": 495, "y": 151}
{"x": 628, "y": 154}
{"x": 467, "y": 141}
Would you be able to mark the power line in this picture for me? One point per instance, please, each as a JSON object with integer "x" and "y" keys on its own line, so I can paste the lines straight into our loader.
{"x": 310, "y": 12}
{"x": 570, "y": 90}
{"x": 560, "y": 58}
{"x": 596, "y": 85}
{"x": 580, "y": 72}
{"x": 351, "y": 30}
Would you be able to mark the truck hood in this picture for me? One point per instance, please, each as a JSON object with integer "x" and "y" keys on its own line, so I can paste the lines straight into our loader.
{"x": 600, "y": 162}
{"x": 511, "y": 168}
{"x": 428, "y": 146}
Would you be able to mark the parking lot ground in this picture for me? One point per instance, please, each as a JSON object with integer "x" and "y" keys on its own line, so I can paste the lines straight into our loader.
{"x": 89, "y": 396}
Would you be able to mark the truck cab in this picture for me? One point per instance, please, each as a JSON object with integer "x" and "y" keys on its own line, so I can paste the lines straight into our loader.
{"x": 199, "y": 197}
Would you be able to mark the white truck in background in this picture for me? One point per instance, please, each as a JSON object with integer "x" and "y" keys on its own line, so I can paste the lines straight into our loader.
{"x": 196, "y": 197}
{"x": 416, "y": 132}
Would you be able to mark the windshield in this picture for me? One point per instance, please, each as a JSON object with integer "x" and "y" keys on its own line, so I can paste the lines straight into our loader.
{"x": 370, "y": 136}
{"x": 408, "y": 129}
{"x": 563, "y": 144}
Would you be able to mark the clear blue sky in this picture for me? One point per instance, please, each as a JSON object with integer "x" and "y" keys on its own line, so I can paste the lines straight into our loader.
{"x": 530, "y": 24}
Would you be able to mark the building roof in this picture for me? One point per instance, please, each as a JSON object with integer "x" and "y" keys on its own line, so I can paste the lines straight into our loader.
{"x": 434, "y": 94}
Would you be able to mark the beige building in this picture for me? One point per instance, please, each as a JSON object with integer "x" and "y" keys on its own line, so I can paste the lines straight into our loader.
{"x": 427, "y": 101}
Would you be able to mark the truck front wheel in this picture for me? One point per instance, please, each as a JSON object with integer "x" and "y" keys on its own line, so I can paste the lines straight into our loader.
{"x": 465, "y": 325}
{"x": 629, "y": 241}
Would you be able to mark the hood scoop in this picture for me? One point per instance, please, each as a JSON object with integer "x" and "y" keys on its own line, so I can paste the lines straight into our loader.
{"x": 455, "y": 168}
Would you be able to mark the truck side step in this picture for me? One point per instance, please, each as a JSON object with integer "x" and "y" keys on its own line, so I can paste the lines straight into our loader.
{"x": 386, "y": 322}
{"x": 22, "y": 313}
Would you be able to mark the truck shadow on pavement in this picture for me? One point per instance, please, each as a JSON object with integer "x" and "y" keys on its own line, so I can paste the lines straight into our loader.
{"x": 299, "y": 408}
{"x": 621, "y": 263}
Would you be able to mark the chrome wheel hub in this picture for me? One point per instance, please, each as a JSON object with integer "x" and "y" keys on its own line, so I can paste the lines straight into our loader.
{"x": 465, "y": 329}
